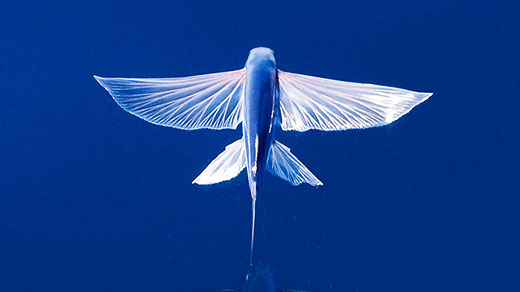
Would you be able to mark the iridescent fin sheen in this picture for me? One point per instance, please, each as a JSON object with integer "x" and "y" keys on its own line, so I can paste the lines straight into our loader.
{"x": 226, "y": 166}
{"x": 282, "y": 163}
{"x": 308, "y": 102}
{"x": 210, "y": 101}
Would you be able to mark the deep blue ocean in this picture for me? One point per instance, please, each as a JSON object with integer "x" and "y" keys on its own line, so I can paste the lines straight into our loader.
{"x": 95, "y": 199}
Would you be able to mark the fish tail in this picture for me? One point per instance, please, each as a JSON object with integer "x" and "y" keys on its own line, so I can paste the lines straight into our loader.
{"x": 252, "y": 230}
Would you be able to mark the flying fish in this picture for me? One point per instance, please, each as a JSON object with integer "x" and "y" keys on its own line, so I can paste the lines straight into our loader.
{"x": 263, "y": 99}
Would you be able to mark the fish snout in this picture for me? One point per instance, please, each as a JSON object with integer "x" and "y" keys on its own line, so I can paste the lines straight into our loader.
{"x": 261, "y": 55}
{"x": 261, "y": 51}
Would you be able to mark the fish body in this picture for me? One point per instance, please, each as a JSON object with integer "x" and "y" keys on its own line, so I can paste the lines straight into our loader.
{"x": 260, "y": 99}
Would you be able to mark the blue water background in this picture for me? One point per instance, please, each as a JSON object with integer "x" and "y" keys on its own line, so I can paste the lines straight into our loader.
{"x": 95, "y": 199}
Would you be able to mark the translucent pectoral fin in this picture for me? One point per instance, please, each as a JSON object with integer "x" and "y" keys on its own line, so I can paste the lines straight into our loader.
{"x": 210, "y": 101}
{"x": 226, "y": 166}
{"x": 282, "y": 163}
{"x": 308, "y": 102}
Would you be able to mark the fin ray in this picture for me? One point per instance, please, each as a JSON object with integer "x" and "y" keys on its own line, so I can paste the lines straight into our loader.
{"x": 225, "y": 166}
{"x": 282, "y": 163}
{"x": 210, "y": 101}
{"x": 308, "y": 102}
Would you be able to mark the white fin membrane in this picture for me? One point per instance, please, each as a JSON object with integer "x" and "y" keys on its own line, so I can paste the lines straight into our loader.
{"x": 308, "y": 102}
{"x": 210, "y": 101}
{"x": 226, "y": 166}
{"x": 282, "y": 163}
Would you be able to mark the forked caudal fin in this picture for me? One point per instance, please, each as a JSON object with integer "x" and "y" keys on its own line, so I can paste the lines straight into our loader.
{"x": 280, "y": 162}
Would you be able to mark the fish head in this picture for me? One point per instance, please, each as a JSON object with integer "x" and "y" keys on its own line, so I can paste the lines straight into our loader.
{"x": 261, "y": 55}
{"x": 260, "y": 279}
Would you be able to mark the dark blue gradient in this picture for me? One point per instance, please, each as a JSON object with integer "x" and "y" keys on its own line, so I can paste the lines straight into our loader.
{"x": 95, "y": 199}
